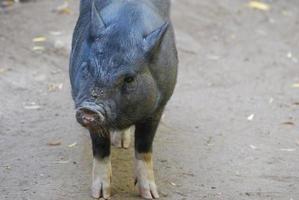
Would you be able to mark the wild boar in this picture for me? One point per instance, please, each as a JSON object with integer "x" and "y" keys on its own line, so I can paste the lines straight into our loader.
{"x": 123, "y": 71}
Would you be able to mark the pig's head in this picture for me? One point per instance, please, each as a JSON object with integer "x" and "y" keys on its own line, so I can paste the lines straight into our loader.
{"x": 116, "y": 86}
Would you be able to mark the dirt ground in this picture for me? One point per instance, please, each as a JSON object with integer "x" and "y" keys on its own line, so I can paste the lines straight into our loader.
{"x": 230, "y": 131}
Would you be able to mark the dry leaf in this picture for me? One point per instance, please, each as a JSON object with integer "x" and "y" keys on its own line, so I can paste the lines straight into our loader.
{"x": 5, "y": 166}
{"x": 54, "y": 143}
{"x": 290, "y": 56}
{"x": 53, "y": 87}
{"x": 39, "y": 39}
{"x": 164, "y": 194}
{"x": 295, "y": 85}
{"x": 259, "y": 5}
{"x": 288, "y": 150}
{"x": 250, "y": 117}
{"x": 38, "y": 48}
{"x": 3, "y": 70}
{"x": 289, "y": 123}
{"x": 32, "y": 106}
{"x": 62, "y": 162}
{"x": 59, "y": 44}
{"x": 213, "y": 57}
{"x": 64, "y": 9}
{"x": 6, "y": 3}
{"x": 286, "y": 13}
{"x": 72, "y": 145}
{"x": 172, "y": 183}
{"x": 55, "y": 33}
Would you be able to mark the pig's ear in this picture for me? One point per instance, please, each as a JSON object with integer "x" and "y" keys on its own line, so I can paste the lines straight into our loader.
{"x": 97, "y": 23}
{"x": 154, "y": 39}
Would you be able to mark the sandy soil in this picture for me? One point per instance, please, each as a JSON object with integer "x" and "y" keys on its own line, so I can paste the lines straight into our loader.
{"x": 230, "y": 131}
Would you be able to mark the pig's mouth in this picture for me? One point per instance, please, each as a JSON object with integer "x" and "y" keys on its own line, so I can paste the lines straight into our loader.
{"x": 90, "y": 115}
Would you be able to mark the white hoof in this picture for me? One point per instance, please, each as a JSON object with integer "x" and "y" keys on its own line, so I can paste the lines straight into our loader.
{"x": 101, "y": 179}
{"x": 121, "y": 139}
{"x": 145, "y": 180}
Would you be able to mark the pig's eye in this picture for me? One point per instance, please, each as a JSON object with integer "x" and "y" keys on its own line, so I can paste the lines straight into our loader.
{"x": 129, "y": 79}
{"x": 130, "y": 83}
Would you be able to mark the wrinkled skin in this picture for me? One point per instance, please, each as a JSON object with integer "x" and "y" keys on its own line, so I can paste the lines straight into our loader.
{"x": 123, "y": 69}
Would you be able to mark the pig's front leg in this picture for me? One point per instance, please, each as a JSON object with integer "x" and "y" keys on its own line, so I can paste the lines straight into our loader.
{"x": 101, "y": 170}
{"x": 144, "y": 172}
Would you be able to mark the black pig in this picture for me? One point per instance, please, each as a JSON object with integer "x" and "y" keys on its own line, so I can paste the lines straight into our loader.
{"x": 123, "y": 70}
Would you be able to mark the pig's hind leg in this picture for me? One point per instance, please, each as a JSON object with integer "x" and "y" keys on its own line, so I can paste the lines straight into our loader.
{"x": 121, "y": 139}
{"x": 101, "y": 170}
{"x": 144, "y": 172}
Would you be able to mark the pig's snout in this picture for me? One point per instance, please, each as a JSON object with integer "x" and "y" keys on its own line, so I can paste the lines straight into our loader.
{"x": 88, "y": 117}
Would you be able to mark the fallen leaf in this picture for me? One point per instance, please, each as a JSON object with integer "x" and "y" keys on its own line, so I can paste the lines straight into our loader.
{"x": 250, "y": 117}
{"x": 32, "y": 106}
{"x": 259, "y": 5}
{"x": 72, "y": 145}
{"x": 289, "y": 123}
{"x": 288, "y": 150}
{"x": 38, "y": 48}
{"x": 63, "y": 9}
{"x": 59, "y": 44}
{"x": 286, "y": 13}
{"x": 5, "y": 166}
{"x": 39, "y": 39}
{"x": 189, "y": 174}
{"x": 6, "y": 3}
{"x": 164, "y": 194}
{"x": 213, "y": 57}
{"x": 62, "y": 162}
{"x": 53, "y": 87}
{"x": 3, "y": 70}
{"x": 54, "y": 143}
{"x": 295, "y": 85}
{"x": 172, "y": 183}
{"x": 55, "y": 33}
{"x": 290, "y": 56}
